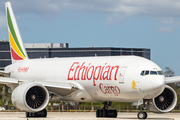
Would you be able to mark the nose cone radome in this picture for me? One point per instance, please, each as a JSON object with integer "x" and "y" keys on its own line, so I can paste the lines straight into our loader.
{"x": 158, "y": 84}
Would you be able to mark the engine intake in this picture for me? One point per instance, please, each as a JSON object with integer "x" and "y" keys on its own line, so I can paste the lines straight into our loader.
{"x": 30, "y": 97}
{"x": 35, "y": 97}
{"x": 165, "y": 102}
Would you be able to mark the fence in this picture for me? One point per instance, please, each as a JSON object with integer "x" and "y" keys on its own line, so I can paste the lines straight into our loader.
{"x": 79, "y": 108}
{"x": 72, "y": 108}
{"x": 87, "y": 108}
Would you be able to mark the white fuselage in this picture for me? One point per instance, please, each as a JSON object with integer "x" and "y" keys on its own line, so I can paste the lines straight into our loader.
{"x": 99, "y": 78}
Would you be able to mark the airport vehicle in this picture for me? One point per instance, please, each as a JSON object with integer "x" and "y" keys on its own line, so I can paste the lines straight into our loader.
{"x": 34, "y": 82}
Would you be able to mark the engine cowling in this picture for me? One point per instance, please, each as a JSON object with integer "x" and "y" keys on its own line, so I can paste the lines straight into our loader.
{"x": 165, "y": 102}
{"x": 30, "y": 97}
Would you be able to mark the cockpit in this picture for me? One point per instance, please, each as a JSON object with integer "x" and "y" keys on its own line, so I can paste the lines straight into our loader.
{"x": 149, "y": 72}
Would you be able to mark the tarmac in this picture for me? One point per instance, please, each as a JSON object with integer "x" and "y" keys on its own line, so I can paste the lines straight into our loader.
{"x": 87, "y": 116}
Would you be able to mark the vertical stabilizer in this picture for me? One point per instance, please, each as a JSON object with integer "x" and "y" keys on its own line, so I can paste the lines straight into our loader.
{"x": 18, "y": 52}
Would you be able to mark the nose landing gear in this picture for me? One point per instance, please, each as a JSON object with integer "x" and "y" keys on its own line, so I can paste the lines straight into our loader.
{"x": 105, "y": 112}
{"x": 142, "y": 114}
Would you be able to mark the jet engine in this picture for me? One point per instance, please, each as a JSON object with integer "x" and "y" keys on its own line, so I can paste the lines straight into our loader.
{"x": 165, "y": 102}
{"x": 30, "y": 97}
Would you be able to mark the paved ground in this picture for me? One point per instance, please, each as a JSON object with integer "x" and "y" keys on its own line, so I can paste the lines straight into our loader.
{"x": 86, "y": 116}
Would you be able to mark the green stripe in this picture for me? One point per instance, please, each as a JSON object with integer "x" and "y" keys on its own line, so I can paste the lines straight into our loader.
{"x": 13, "y": 31}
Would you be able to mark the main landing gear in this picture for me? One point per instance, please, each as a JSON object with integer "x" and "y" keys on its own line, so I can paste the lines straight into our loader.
{"x": 142, "y": 114}
{"x": 105, "y": 112}
{"x": 42, "y": 113}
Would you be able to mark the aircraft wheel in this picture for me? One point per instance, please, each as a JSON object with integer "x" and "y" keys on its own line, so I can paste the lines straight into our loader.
{"x": 112, "y": 113}
{"x": 97, "y": 113}
{"x": 106, "y": 113}
{"x": 27, "y": 114}
{"x": 42, "y": 113}
{"x": 142, "y": 115}
{"x": 115, "y": 113}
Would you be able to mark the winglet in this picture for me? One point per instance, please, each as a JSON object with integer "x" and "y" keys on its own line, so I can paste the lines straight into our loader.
{"x": 18, "y": 51}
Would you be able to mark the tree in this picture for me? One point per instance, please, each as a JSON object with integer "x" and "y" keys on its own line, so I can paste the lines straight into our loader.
{"x": 51, "y": 104}
{"x": 169, "y": 72}
{"x": 178, "y": 101}
{"x": 62, "y": 105}
{"x": 5, "y": 95}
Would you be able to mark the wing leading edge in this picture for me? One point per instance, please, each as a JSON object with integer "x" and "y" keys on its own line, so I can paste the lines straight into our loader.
{"x": 172, "y": 79}
{"x": 5, "y": 80}
{"x": 62, "y": 89}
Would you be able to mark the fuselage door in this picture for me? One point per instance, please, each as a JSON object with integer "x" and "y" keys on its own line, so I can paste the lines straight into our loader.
{"x": 122, "y": 74}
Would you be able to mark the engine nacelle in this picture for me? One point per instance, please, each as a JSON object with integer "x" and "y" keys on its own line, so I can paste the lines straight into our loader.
{"x": 165, "y": 102}
{"x": 30, "y": 97}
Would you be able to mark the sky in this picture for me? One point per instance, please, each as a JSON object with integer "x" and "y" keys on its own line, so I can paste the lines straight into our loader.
{"x": 152, "y": 24}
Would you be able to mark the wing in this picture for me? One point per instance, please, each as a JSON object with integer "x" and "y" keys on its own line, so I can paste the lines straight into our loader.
{"x": 62, "y": 89}
{"x": 6, "y": 80}
{"x": 6, "y": 73}
{"x": 172, "y": 79}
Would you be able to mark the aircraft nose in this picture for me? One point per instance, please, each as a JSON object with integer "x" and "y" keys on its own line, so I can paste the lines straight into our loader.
{"x": 158, "y": 83}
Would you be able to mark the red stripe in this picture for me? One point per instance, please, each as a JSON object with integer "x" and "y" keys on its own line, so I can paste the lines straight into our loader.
{"x": 15, "y": 56}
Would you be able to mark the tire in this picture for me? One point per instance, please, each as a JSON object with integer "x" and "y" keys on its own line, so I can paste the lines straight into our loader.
{"x": 145, "y": 115}
{"x": 44, "y": 113}
{"x": 97, "y": 113}
{"x": 27, "y": 114}
{"x": 142, "y": 115}
{"x": 112, "y": 113}
{"x": 106, "y": 113}
{"x": 115, "y": 113}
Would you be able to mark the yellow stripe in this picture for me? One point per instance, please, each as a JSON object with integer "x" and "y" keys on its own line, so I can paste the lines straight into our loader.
{"x": 13, "y": 44}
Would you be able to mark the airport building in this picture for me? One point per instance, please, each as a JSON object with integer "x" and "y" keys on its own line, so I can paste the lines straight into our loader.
{"x": 54, "y": 50}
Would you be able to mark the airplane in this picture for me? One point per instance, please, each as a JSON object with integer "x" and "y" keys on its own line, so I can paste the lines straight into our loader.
{"x": 34, "y": 82}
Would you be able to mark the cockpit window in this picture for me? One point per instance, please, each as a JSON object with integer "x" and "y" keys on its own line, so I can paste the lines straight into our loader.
{"x": 142, "y": 73}
{"x": 147, "y": 73}
{"x": 153, "y": 73}
{"x": 160, "y": 73}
